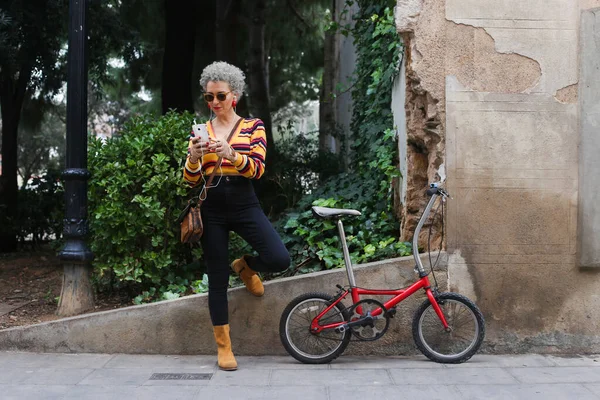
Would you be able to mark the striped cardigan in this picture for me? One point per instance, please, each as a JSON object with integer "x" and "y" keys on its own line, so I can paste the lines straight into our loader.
{"x": 249, "y": 141}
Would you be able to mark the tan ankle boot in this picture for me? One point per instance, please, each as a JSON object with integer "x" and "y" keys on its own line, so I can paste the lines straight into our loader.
{"x": 248, "y": 276}
{"x": 225, "y": 356}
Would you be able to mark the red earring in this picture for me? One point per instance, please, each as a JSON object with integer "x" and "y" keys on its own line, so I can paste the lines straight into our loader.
{"x": 234, "y": 102}
{"x": 208, "y": 104}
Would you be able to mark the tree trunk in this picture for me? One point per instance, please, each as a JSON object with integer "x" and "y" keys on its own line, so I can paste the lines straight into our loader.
{"x": 227, "y": 30}
{"x": 327, "y": 114}
{"x": 8, "y": 184}
{"x": 181, "y": 21}
{"x": 257, "y": 71}
{"x": 77, "y": 294}
{"x": 12, "y": 95}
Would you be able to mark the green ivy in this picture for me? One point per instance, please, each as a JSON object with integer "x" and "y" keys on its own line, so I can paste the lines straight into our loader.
{"x": 379, "y": 50}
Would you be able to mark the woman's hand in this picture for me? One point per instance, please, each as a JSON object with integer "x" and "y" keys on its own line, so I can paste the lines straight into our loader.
{"x": 198, "y": 149}
{"x": 223, "y": 149}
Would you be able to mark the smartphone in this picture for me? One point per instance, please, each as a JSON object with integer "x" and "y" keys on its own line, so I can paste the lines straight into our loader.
{"x": 201, "y": 132}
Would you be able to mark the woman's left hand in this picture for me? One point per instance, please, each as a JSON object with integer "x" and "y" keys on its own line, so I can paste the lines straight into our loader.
{"x": 223, "y": 149}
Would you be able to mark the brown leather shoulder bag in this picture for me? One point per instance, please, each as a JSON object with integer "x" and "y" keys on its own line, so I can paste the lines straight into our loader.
{"x": 190, "y": 218}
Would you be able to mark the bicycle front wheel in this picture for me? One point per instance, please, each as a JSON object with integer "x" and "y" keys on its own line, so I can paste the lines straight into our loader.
{"x": 297, "y": 338}
{"x": 464, "y": 336}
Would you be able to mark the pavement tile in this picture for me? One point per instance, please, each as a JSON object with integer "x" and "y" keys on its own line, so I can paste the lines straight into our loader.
{"x": 575, "y": 360}
{"x": 141, "y": 376}
{"x": 241, "y": 377}
{"x": 51, "y": 360}
{"x": 118, "y": 377}
{"x": 512, "y": 360}
{"x": 14, "y": 375}
{"x": 27, "y": 376}
{"x": 557, "y": 375}
{"x": 166, "y": 393}
{"x": 115, "y": 392}
{"x": 330, "y": 377}
{"x": 33, "y": 392}
{"x": 594, "y": 388}
{"x": 132, "y": 393}
{"x": 263, "y": 393}
{"x": 275, "y": 362}
{"x": 230, "y": 393}
{"x": 451, "y": 376}
{"x": 149, "y": 361}
{"x": 358, "y": 362}
{"x": 435, "y": 392}
{"x": 526, "y": 392}
{"x": 62, "y": 376}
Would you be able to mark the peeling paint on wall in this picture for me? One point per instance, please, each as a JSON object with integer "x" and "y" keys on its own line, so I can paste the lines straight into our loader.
{"x": 436, "y": 47}
{"x": 472, "y": 57}
{"x": 567, "y": 94}
{"x": 588, "y": 4}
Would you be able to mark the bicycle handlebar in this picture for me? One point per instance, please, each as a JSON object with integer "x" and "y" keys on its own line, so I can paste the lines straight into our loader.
{"x": 434, "y": 188}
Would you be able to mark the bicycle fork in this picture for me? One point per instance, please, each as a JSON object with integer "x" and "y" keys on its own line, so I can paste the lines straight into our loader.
{"x": 436, "y": 307}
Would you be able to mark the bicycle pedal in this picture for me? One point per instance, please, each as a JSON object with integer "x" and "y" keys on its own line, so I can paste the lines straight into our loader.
{"x": 391, "y": 312}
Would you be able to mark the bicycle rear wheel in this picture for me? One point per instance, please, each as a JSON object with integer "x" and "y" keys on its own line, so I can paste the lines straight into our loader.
{"x": 461, "y": 341}
{"x": 300, "y": 342}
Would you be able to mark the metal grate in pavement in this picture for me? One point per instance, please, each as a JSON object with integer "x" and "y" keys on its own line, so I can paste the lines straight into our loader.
{"x": 180, "y": 377}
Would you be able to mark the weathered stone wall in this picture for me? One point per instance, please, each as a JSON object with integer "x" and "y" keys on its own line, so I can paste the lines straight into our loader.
{"x": 182, "y": 326}
{"x": 492, "y": 102}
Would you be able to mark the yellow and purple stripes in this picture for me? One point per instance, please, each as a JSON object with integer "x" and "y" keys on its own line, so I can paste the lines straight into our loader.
{"x": 250, "y": 142}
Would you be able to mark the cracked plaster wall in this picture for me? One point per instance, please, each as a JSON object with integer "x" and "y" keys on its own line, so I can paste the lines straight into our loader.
{"x": 437, "y": 47}
{"x": 492, "y": 97}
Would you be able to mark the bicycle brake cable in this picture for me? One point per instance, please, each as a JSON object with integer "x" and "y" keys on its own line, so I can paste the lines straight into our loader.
{"x": 431, "y": 264}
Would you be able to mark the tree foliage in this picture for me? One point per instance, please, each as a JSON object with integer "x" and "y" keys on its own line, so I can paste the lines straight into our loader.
{"x": 41, "y": 142}
{"x": 33, "y": 39}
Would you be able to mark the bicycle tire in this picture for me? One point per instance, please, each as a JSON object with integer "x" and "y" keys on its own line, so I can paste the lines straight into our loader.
{"x": 445, "y": 300}
{"x": 293, "y": 345}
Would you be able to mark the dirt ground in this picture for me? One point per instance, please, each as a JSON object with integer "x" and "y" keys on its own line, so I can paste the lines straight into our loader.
{"x": 30, "y": 284}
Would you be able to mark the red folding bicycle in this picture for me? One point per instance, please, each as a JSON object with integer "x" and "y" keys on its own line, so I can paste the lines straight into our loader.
{"x": 316, "y": 328}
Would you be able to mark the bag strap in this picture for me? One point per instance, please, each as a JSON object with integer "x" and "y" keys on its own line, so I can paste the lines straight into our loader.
{"x": 219, "y": 160}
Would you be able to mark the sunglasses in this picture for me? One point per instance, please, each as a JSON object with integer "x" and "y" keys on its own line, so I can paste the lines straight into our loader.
{"x": 221, "y": 96}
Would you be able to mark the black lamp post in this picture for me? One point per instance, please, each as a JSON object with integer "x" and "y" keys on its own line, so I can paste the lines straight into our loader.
{"x": 76, "y": 296}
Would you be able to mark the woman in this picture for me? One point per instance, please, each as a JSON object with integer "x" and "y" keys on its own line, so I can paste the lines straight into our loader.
{"x": 231, "y": 204}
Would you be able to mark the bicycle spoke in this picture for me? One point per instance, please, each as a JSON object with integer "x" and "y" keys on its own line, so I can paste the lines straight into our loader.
{"x": 461, "y": 336}
{"x": 299, "y": 324}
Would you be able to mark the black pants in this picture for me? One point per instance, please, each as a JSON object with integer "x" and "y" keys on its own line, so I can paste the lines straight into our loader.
{"x": 233, "y": 206}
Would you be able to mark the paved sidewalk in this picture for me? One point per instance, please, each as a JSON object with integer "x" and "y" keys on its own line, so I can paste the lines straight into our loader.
{"x": 26, "y": 376}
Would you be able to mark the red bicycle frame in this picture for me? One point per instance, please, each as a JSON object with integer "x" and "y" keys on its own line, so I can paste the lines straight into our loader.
{"x": 398, "y": 294}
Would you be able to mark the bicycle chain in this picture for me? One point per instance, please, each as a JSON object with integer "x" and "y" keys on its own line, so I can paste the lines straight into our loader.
{"x": 346, "y": 309}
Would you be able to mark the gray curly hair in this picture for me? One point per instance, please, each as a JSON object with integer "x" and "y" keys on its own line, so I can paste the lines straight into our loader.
{"x": 222, "y": 71}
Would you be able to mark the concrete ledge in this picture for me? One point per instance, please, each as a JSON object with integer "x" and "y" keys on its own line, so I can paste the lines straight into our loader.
{"x": 183, "y": 326}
